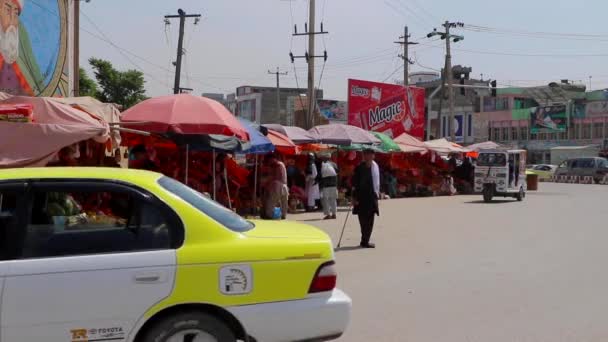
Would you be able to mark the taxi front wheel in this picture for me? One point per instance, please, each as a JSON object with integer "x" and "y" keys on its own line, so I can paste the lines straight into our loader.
{"x": 190, "y": 327}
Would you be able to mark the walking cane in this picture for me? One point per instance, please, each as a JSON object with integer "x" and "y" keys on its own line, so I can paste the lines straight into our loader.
{"x": 344, "y": 226}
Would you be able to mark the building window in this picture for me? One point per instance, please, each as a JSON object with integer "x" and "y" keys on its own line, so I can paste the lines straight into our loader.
{"x": 469, "y": 125}
{"x": 586, "y": 131}
{"x": 505, "y": 133}
{"x": 598, "y": 130}
{"x": 496, "y": 133}
{"x": 523, "y": 131}
{"x": 533, "y": 136}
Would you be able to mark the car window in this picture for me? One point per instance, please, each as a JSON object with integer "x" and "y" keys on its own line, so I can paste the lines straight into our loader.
{"x": 216, "y": 211}
{"x": 8, "y": 217}
{"x": 64, "y": 223}
{"x": 583, "y": 164}
{"x": 491, "y": 159}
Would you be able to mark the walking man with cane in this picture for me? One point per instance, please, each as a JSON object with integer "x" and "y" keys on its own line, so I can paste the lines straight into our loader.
{"x": 366, "y": 191}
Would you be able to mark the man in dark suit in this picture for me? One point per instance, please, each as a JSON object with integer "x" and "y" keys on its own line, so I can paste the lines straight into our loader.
{"x": 366, "y": 191}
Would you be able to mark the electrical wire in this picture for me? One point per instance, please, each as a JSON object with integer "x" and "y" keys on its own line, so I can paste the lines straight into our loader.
{"x": 120, "y": 51}
{"x": 429, "y": 14}
{"x": 412, "y": 14}
{"x": 391, "y": 75}
{"x": 503, "y": 53}
{"x": 422, "y": 66}
{"x": 295, "y": 73}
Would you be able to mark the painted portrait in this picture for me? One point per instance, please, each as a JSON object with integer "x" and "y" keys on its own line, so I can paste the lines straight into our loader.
{"x": 34, "y": 47}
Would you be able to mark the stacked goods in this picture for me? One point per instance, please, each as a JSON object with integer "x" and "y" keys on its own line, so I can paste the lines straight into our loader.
{"x": 16, "y": 112}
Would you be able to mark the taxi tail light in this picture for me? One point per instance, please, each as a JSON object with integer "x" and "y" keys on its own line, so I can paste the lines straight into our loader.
{"x": 325, "y": 279}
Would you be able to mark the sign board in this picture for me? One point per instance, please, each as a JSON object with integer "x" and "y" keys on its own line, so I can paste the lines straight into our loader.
{"x": 387, "y": 108}
{"x": 333, "y": 111}
{"x": 548, "y": 119}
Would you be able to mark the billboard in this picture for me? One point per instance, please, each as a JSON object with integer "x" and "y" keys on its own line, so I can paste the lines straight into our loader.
{"x": 333, "y": 111}
{"x": 35, "y": 49}
{"x": 387, "y": 108}
{"x": 548, "y": 119}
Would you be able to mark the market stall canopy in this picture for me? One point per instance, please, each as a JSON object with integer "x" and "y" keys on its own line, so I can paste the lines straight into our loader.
{"x": 443, "y": 146}
{"x": 260, "y": 144}
{"x": 339, "y": 134}
{"x": 296, "y": 134}
{"x": 386, "y": 143}
{"x": 55, "y": 126}
{"x": 282, "y": 143}
{"x": 184, "y": 114}
{"x": 487, "y": 145}
{"x": 410, "y": 144}
{"x": 106, "y": 111}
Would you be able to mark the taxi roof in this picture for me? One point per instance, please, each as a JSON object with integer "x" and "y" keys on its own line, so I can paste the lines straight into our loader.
{"x": 126, "y": 175}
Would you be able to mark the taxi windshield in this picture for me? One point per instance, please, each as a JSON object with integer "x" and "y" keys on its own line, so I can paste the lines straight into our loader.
{"x": 492, "y": 159}
{"x": 209, "y": 207}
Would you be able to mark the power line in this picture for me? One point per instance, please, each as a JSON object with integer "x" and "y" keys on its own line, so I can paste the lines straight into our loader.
{"x": 413, "y": 14}
{"x": 502, "y": 53}
{"x": 538, "y": 33}
{"x": 392, "y": 73}
{"x": 105, "y": 37}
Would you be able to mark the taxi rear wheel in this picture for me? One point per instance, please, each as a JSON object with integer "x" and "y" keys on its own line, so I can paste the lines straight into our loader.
{"x": 190, "y": 327}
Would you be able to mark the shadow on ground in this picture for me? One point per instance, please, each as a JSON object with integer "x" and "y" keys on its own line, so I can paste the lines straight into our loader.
{"x": 492, "y": 202}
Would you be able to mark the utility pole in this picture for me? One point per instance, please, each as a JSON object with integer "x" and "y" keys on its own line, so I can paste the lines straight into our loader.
{"x": 405, "y": 56}
{"x": 310, "y": 56}
{"x": 448, "y": 68}
{"x": 180, "y": 44}
{"x": 278, "y": 74}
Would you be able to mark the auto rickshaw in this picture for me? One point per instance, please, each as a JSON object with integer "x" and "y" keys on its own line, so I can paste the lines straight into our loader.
{"x": 501, "y": 173}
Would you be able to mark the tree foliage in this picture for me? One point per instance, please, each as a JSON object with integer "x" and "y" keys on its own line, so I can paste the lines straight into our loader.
{"x": 87, "y": 85}
{"x": 125, "y": 88}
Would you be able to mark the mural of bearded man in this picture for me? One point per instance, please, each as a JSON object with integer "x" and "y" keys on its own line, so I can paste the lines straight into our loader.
{"x": 19, "y": 72}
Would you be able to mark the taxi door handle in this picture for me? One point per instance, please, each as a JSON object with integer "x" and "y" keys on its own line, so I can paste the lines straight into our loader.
{"x": 148, "y": 277}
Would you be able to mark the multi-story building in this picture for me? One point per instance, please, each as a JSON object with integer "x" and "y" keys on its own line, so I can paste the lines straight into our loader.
{"x": 258, "y": 104}
{"x": 540, "y": 118}
{"x": 437, "y": 112}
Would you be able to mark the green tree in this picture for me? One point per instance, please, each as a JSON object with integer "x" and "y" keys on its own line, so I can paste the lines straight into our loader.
{"x": 87, "y": 85}
{"x": 125, "y": 88}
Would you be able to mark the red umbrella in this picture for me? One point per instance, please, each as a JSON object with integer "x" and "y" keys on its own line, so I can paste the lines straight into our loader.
{"x": 282, "y": 143}
{"x": 184, "y": 114}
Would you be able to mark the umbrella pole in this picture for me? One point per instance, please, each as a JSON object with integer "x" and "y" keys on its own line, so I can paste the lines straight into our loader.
{"x": 213, "y": 174}
{"x": 227, "y": 188}
{"x": 187, "y": 162}
{"x": 255, "y": 186}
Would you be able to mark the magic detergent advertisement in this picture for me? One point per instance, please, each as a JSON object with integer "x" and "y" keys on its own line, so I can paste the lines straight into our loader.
{"x": 387, "y": 108}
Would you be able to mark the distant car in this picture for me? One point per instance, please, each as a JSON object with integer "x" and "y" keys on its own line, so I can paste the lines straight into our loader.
{"x": 94, "y": 254}
{"x": 595, "y": 167}
{"x": 544, "y": 171}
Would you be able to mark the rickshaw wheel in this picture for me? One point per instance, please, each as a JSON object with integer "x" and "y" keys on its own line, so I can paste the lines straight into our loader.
{"x": 520, "y": 196}
{"x": 487, "y": 195}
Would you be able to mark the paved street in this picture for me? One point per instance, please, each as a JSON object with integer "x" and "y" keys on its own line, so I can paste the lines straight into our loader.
{"x": 456, "y": 269}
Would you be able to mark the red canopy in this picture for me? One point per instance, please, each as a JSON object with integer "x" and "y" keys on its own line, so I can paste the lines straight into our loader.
{"x": 184, "y": 114}
{"x": 282, "y": 143}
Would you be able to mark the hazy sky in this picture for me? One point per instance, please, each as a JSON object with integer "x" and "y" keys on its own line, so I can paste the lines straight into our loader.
{"x": 237, "y": 41}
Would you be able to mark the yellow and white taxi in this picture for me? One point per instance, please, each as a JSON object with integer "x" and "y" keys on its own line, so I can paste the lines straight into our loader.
{"x": 93, "y": 254}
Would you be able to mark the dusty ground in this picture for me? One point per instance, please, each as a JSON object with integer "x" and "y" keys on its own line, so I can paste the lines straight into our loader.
{"x": 456, "y": 269}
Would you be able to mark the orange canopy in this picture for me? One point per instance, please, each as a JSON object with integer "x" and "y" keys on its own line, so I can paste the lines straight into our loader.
{"x": 282, "y": 143}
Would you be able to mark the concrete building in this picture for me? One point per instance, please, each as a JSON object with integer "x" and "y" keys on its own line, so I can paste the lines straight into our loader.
{"x": 258, "y": 104}
{"x": 541, "y": 118}
{"x": 438, "y": 125}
